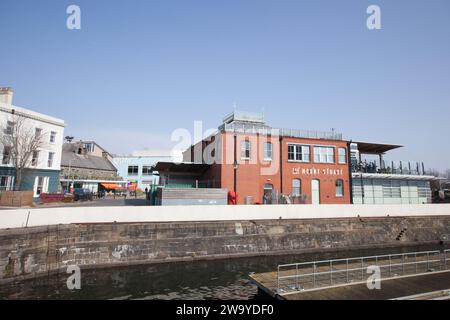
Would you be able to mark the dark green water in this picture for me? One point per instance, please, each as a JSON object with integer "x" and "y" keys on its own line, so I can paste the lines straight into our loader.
{"x": 218, "y": 279}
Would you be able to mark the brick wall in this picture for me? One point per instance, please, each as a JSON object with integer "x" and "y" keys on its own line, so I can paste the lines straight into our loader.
{"x": 254, "y": 174}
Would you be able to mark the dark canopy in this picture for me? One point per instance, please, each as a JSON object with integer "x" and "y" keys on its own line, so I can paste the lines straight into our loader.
{"x": 375, "y": 148}
{"x": 197, "y": 168}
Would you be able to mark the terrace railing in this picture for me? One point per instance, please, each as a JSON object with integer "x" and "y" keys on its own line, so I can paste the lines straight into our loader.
{"x": 398, "y": 167}
{"x": 265, "y": 130}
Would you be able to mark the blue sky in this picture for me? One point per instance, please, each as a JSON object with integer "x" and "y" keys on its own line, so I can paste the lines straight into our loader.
{"x": 137, "y": 70}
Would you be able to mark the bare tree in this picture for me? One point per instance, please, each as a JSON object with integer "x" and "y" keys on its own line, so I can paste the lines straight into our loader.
{"x": 20, "y": 141}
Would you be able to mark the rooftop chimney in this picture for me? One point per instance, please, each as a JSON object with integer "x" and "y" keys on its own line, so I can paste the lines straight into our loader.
{"x": 6, "y": 95}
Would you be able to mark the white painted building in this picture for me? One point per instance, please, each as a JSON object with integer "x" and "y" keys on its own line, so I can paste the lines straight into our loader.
{"x": 42, "y": 174}
{"x": 136, "y": 167}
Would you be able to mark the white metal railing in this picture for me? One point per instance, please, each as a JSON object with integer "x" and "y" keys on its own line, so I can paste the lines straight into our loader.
{"x": 446, "y": 259}
{"x": 327, "y": 273}
{"x": 392, "y": 167}
{"x": 265, "y": 130}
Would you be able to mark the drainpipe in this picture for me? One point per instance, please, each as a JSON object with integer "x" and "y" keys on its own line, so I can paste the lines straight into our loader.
{"x": 349, "y": 161}
{"x": 235, "y": 164}
{"x": 281, "y": 165}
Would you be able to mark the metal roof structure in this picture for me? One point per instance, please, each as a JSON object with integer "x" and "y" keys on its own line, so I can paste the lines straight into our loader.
{"x": 375, "y": 148}
{"x": 184, "y": 167}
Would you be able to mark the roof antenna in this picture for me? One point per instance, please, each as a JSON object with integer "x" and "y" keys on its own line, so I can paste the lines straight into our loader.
{"x": 234, "y": 106}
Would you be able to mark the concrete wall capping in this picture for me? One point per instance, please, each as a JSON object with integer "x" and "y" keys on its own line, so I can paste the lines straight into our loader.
{"x": 202, "y": 215}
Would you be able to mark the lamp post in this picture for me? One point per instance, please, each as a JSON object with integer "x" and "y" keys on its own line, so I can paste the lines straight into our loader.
{"x": 70, "y": 174}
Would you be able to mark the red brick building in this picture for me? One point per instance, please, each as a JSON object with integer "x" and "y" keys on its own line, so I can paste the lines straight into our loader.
{"x": 267, "y": 165}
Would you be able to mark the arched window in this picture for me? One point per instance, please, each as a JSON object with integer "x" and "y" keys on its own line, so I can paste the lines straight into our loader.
{"x": 339, "y": 188}
{"x": 296, "y": 187}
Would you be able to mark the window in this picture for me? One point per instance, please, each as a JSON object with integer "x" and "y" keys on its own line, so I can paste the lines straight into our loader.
{"x": 53, "y": 137}
{"x": 298, "y": 152}
{"x": 146, "y": 170}
{"x": 40, "y": 185}
{"x": 339, "y": 188}
{"x": 3, "y": 182}
{"x": 245, "y": 149}
{"x": 342, "y": 155}
{"x": 133, "y": 170}
{"x": 391, "y": 189}
{"x": 324, "y": 154}
{"x": 51, "y": 156}
{"x": 296, "y": 187}
{"x": 268, "y": 151}
{"x": 6, "y": 183}
{"x": 9, "y": 127}
{"x": 38, "y": 133}
{"x": 6, "y": 155}
{"x": 89, "y": 147}
{"x": 35, "y": 158}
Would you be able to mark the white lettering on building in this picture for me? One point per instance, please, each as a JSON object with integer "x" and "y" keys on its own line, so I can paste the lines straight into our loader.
{"x": 315, "y": 171}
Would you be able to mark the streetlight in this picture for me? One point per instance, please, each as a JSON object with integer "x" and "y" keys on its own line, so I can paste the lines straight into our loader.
{"x": 70, "y": 173}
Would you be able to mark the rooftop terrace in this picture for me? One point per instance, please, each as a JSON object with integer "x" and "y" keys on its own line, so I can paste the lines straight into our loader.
{"x": 253, "y": 123}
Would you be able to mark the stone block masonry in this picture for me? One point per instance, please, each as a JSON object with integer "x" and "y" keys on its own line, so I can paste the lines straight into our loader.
{"x": 31, "y": 252}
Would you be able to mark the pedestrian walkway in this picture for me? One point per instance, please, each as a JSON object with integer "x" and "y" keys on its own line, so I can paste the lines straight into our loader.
{"x": 399, "y": 274}
{"x": 390, "y": 289}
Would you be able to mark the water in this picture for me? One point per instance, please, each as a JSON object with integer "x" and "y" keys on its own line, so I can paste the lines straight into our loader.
{"x": 214, "y": 279}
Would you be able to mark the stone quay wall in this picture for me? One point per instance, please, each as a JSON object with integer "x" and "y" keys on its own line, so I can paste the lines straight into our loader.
{"x": 41, "y": 250}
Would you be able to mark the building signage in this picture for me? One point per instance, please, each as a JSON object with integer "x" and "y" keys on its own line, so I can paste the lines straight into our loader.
{"x": 315, "y": 171}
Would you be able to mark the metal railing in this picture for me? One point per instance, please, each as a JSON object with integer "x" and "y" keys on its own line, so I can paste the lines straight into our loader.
{"x": 312, "y": 134}
{"x": 328, "y": 273}
{"x": 393, "y": 167}
{"x": 265, "y": 130}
